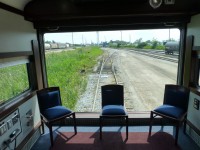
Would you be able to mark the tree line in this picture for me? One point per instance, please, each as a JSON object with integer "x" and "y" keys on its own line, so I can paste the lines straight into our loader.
{"x": 139, "y": 43}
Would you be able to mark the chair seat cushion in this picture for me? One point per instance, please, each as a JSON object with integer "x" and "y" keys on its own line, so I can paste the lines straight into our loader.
{"x": 113, "y": 110}
{"x": 170, "y": 110}
{"x": 55, "y": 112}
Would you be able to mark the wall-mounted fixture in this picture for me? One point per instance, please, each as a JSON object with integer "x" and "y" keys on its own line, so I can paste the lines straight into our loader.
{"x": 52, "y": 28}
{"x": 196, "y": 104}
{"x": 29, "y": 116}
{"x": 10, "y": 129}
{"x": 155, "y": 3}
{"x": 169, "y": 2}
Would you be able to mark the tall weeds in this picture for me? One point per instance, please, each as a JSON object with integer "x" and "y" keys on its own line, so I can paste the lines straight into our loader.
{"x": 69, "y": 70}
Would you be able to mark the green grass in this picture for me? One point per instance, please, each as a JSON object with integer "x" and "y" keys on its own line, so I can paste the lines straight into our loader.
{"x": 14, "y": 80}
{"x": 69, "y": 70}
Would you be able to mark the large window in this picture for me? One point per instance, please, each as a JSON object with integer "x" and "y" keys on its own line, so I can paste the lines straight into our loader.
{"x": 14, "y": 80}
{"x": 141, "y": 60}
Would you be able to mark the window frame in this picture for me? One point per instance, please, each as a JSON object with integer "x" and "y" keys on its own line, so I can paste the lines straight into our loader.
{"x": 180, "y": 66}
{"x": 13, "y": 59}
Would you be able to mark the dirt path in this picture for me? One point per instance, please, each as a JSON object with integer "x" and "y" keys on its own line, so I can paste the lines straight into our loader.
{"x": 145, "y": 77}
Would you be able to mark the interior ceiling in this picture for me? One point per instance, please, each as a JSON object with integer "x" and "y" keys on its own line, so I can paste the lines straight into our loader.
{"x": 36, "y": 9}
{"x": 18, "y": 4}
{"x": 58, "y": 9}
{"x": 87, "y": 13}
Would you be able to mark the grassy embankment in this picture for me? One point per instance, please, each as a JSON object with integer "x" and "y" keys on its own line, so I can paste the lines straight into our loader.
{"x": 13, "y": 81}
{"x": 69, "y": 71}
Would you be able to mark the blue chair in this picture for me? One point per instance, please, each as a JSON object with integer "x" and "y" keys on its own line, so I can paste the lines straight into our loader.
{"x": 113, "y": 105}
{"x": 174, "y": 107}
{"x": 51, "y": 109}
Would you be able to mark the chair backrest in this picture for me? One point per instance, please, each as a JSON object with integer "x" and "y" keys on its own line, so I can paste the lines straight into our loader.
{"x": 176, "y": 95}
{"x": 112, "y": 94}
{"x": 49, "y": 97}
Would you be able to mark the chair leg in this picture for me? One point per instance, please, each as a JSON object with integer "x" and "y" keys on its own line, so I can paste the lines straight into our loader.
{"x": 42, "y": 124}
{"x": 75, "y": 127}
{"x": 100, "y": 127}
{"x": 51, "y": 134}
{"x": 177, "y": 131}
{"x": 184, "y": 126}
{"x": 151, "y": 121}
{"x": 127, "y": 127}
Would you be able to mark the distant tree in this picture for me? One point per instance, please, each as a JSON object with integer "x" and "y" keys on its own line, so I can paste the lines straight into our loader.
{"x": 154, "y": 43}
{"x": 104, "y": 44}
{"x": 48, "y": 42}
{"x": 141, "y": 45}
{"x": 138, "y": 41}
{"x": 147, "y": 47}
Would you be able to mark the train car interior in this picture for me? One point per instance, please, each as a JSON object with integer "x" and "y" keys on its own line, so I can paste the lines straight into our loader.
{"x": 28, "y": 60}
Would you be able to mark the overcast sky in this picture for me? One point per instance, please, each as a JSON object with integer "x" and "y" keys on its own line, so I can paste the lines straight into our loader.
{"x": 124, "y": 35}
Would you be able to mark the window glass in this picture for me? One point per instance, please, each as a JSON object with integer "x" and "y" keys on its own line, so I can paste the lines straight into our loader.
{"x": 14, "y": 80}
{"x": 141, "y": 60}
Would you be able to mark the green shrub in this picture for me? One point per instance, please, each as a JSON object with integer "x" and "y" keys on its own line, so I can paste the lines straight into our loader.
{"x": 160, "y": 47}
{"x": 148, "y": 47}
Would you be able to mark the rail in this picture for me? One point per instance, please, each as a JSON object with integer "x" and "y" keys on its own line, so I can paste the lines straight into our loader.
{"x": 159, "y": 54}
{"x": 105, "y": 61}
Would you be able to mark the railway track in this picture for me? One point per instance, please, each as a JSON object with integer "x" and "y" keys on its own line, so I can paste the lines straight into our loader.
{"x": 107, "y": 75}
{"x": 159, "y": 54}
{"x": 109, "y": 72}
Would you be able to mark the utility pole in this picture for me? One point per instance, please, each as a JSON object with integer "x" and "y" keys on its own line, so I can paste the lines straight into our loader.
{"x": 85, "y": 41}
{"x": 82, "y": 40}
{"x": 169, "y": 35}
{"x": 72, "y": 39}
{"x": 121, "y": 35}
{"x": 98, "y": 38}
